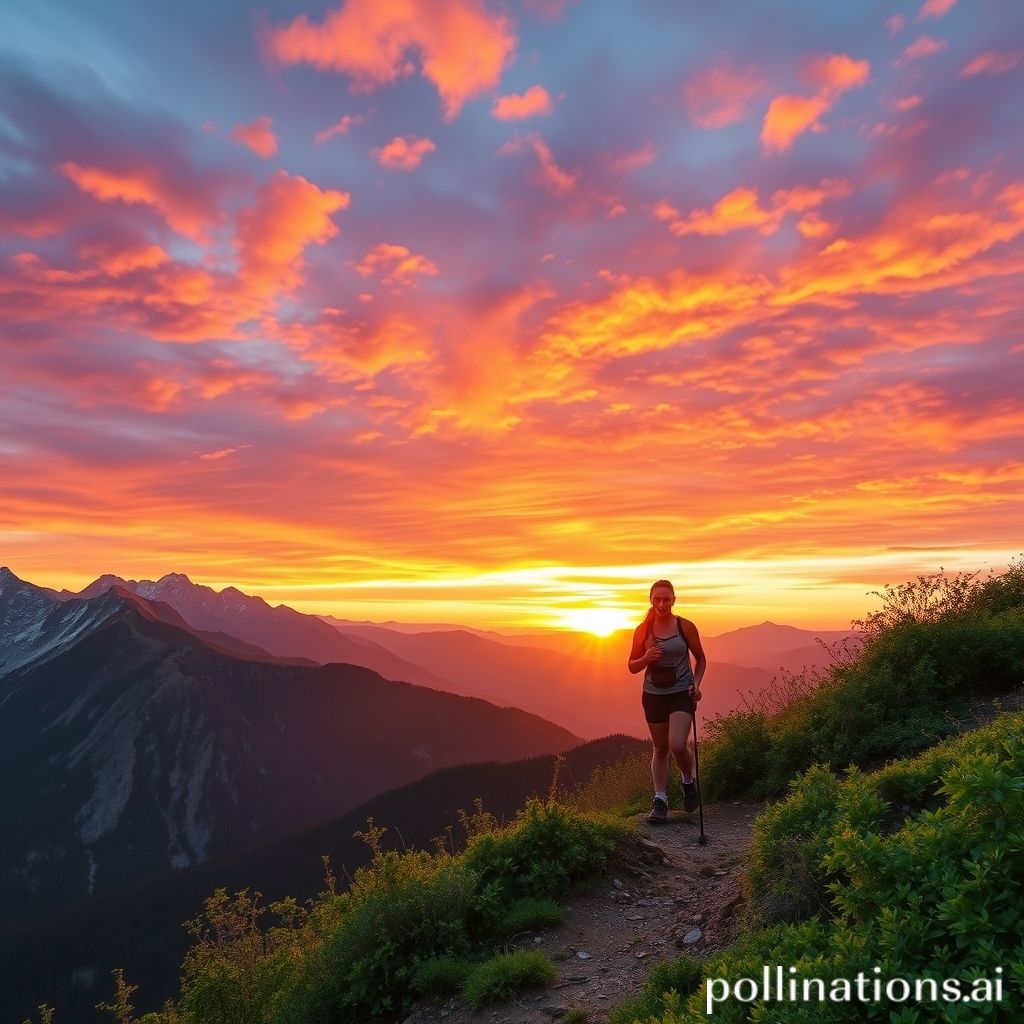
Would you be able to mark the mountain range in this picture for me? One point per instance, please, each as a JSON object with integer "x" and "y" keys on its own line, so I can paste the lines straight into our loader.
{"x": 129, "y": 744}
{"x": 569, "y": 678}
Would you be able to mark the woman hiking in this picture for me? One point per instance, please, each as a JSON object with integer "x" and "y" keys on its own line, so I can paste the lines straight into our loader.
{"x": 662, "y": 645}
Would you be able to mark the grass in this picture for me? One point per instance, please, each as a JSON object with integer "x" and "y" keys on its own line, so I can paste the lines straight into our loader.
{"x": 504, "y": 975}
{"x": 681, "y": 975}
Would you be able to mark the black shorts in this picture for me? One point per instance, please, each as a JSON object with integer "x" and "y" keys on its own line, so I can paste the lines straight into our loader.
{"x": 658, "y": 706}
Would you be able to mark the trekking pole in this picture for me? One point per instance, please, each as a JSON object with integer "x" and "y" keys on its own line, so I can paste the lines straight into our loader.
{"x": 702, "y": 840}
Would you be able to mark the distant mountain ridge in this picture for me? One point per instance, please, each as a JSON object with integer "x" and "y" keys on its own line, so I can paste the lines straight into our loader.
{"x": 128, "y": 744}
{"x": 279, "y": 630}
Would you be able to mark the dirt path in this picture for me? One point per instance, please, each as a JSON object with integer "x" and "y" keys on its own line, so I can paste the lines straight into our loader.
{"x": 667, "y": 896}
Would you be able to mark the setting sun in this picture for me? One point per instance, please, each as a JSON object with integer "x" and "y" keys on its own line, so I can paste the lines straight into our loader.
{"x": 598, "y": 621}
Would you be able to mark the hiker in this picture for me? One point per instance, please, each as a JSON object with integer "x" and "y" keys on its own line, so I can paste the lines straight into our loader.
{"x": 662, "y": 645}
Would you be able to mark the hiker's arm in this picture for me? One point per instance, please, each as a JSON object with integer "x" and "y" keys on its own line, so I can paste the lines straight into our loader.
{"x": 700, "y": 661}
{"x": 639, "y": 659}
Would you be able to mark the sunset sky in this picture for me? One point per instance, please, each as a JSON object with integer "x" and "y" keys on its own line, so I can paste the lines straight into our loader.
{"x": 459, "y": 310}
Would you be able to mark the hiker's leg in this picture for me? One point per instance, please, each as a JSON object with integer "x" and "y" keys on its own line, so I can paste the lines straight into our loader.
{"x": 659, "y": 758}
{"x": 679, "y": 725}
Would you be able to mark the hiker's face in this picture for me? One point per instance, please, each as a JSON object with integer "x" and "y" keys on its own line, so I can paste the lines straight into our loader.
{"x": 662, "y": 599}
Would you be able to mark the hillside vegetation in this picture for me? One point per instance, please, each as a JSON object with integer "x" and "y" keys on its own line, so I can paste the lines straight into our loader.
{"x": 911, "y": 866}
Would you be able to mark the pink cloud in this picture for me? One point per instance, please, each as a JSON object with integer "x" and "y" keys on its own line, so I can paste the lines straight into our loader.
{"x": 895, "y": 23}
{"x": 257, "y": 136}
{"x": 535, "y": 102}
{"x": 788, "y": 117}
{"x": 403, "y": 153}
{"x": 721, "y": 94}
{"x": 462, "y": 48}
{"x": 923, "y": 46}
{"x": 340, "y": 127}
{"x": 395, "y": 263}
{"x": 905, "y": 103}
{"x": 741, "y": 208}
{"x": 835, "y": 72}
{"x": 992, "y": 62}
{"x": 814, "y": 226}
{"x": 934, "y": 9}
{"x": 290, "y": 213}
{"x": 144, "y": 184}
{"x": 547, "y": 174}
{"x": 627, "y": 161}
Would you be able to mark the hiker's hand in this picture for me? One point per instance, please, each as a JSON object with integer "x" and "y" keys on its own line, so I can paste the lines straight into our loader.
{"x": 653, "y": 655}
{"x": 695, "y": 692}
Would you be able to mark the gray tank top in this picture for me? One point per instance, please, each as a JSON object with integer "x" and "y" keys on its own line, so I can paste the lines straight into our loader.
{"x": 674, "y": 652}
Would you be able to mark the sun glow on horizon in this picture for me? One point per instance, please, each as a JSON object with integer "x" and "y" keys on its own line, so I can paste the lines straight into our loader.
{"x": 600, "y": 622}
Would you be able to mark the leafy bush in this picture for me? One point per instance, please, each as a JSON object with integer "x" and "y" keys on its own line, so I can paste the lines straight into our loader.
{"x": 934, "y": 642}
{"x": 402, "y": 910}
{"x": 410, "y": 924}
{"x": 931, "y": 893}
{"x": 504, "y": 975}
{"x": 681, "y": 975}
{"x": 547, "y": 848}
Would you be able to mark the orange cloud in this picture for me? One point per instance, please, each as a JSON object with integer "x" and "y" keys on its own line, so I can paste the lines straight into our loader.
{"x": 257, "y": 136}
{"x": 918, "y": 248}
{"x": 403, "y": 153}
{"x": 790, "y": 116}
{"x": 835, "y": 72}
{"x": 992, "y": 62}
{"x": 738, "y": 209}
{"x": 934, "y": 9}
{"x": 290, "y": 213}
{"x": 338, "y": 128}
{"x": 462, "y": 48}
{"x": 813, "y": 226}
{"x": 143, "y": 185}
{"x": 547, "y": 173}
{"x": 116, "y": 262}
{"x": 741, "y": 208}
{"x": 721, "y": 95}
{"x": 923, "y": 46}
{"x": 396, "y": 263}
{"x": 631, "y": 160}
{"x": 535, "y": 102}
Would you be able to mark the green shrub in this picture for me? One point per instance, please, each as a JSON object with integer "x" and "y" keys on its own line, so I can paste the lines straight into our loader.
{"x": 621, "y": 789}
{"x": 504, "y": 975}
{"x": 408, "y": 925}
{"x": 931, "y": 892}
{"x": 575, "y": 1015}
{"x": 546, "y": 849}
{"x": 733, "y": 753}
{"x": 440, "y": 976}
{"x": 935, "y": 642}
{"x": 404, "y": 909}
{"x": 681, "y": 975}
{"x": 530, "y": 914}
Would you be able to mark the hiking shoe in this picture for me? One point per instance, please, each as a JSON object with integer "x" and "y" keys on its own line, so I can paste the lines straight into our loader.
{"x": 691, "y": 801}
{"x": 659, "y": 812}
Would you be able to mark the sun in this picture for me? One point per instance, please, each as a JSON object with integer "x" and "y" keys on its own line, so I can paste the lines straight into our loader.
{"x": 598, "y": 621}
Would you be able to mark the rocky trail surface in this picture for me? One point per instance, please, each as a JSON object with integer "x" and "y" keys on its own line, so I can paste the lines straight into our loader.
{"x": 666, "y": 896}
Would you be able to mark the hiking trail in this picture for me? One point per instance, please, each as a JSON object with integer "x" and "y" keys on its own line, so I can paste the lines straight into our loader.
{"x": 666, "y": 896}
